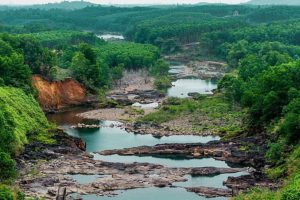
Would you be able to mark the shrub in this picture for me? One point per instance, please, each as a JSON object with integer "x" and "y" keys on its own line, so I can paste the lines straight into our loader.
{"x": 292, "y": 191}
{"x": 291, "y": 128}
{"x": 274, "y": 153}
{"x": 6, "y": 193}
{"x": 163, "y": 82}
{"x": 257, "y": 194}
{"x": 8, "y": 167}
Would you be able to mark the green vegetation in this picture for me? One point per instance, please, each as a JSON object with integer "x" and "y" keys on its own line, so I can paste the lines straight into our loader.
{"x": 21, "y": 121}
{"x": 20, "y": 56}
{"x": 291, "y": 191}
{"x": 59, "y": 39}
{"x": 211, "y": 114}
{"x": 8, "y": 165}
{"x": 98, "y": 66}
{"x": 130, "y": 55}
{"x": 160, "y": 70}
{"x": 10, "y": 194}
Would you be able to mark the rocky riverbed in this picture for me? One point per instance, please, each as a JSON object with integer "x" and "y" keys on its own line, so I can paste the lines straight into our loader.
{"x": 221, "y": 150}
{"x": 45, "y": 168}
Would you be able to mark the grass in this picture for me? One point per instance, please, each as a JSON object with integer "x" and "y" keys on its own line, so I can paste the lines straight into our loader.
{"x": 214, "y": 114}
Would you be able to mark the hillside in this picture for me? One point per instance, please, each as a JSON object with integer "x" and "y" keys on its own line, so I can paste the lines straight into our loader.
{"x": 20, "y": 119}
{"x": 274, "y": 2}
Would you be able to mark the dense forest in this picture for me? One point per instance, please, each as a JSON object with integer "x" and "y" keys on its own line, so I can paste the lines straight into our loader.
{"x": 260, "y": 44}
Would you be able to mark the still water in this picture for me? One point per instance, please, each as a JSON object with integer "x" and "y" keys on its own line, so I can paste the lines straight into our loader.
{"x": 108, "y": 137}
{"x": 114, "y": 137}
{"x": 108, "y": 37}
{"x": 182, "y": 87}
{"x": 208, "y": 181}
{"x": 152, "y": 194}
{"x": 169, "y": 162}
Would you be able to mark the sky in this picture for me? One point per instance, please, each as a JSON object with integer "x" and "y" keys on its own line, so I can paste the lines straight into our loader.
{"x": 28, "y": 2}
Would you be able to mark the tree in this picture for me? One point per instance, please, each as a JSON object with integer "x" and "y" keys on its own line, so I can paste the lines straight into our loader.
{"x": 117, "y": 72}
{"x": 160, "y": 68}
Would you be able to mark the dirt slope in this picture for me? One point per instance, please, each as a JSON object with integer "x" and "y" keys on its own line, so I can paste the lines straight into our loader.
{"x": 60, "y": 94}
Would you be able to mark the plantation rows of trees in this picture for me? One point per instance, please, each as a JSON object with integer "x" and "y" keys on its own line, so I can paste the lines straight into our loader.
{"x": 83, "y": 56}
{"x": 146, "y": 24}
{"x": 98, "y": 66}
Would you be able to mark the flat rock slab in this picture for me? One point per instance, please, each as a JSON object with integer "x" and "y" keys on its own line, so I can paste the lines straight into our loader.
{"x": 210, "y": 192}
{"x": 227, "y": 151}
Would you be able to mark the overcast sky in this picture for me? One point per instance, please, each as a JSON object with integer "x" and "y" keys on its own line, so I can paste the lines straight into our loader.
{"x": 18, "y": 2}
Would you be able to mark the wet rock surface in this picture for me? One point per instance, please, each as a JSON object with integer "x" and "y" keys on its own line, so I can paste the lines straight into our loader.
{"x": 45, "y": 168}
{"x": 204, "y": 70}
{"x": 221, "y": 150}
{"x": 159, "y": 130}
{"x": 243, "y": 183}
{"x": 210, "y": 192}
{"x": 211, "y": 171}
{"x": 141, "y": 96}
{"x": 207, "y": 69}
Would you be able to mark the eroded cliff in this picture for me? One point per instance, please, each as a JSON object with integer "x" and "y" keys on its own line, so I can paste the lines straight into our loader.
{"x": 59, "y": 94}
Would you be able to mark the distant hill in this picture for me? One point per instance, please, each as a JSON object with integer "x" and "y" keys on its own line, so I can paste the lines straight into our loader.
{"x": 66, "y": 5}
{"x": 274, "y": 2}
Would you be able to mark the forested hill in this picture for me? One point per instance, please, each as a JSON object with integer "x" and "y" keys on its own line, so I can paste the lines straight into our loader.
{"x": 66, "y": 5}
{"x": 274, "y": 2}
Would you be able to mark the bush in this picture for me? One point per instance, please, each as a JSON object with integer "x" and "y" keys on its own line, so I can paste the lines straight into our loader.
{"x": 257, "y": 194}
{"x": 292, "y": 191}
{"x": 6, "y": 193}
{"x": 173, "y": 101}
{"x": 8, "y": 167}
{"x": 290, "y": 128}
{"x": 274, "y": 152}
{"x": 163, "y": 82}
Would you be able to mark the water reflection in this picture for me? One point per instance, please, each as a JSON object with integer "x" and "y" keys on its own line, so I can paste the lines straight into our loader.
{"x": 182, "y": 87}
{"x": 108, "y": 37}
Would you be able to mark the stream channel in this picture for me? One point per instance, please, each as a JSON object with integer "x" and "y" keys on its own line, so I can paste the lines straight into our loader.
{"x": 111, "y": 136}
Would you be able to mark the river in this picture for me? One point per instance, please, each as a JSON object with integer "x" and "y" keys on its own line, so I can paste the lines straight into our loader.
{"x": 109, "y": 37}
{"x": 183, "y": 86}
{"x": 112, "y": 136}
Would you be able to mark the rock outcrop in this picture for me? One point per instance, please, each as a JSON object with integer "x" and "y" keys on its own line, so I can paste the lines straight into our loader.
{"x": 57, "y": 95}
{"x": 210, "y": 192}
{"x": 221, "y": 150}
